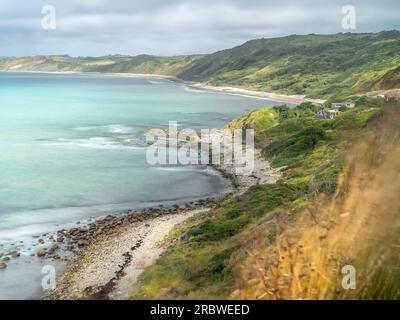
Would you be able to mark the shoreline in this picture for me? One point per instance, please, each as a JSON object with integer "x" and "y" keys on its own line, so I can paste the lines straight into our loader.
{"x": 123, "y": 247}
{"x": 109, "y": 265}
{"x": 269, "y": 96}
{"x": 86, "y": 242}
{"x": 284, "y": 98}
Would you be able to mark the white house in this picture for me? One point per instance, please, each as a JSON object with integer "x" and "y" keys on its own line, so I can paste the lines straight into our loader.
{"x": 328, "y": 114}
{"x": 348, "y": 104}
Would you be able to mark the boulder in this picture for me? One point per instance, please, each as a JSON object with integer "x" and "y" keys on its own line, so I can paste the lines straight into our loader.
{"x": 41, "y": 253}
{"x": 82, "y": 243}
{"x": 14, "y": 254}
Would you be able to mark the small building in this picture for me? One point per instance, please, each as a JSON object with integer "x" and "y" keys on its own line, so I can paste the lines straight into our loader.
{"x": 337, "y": 105}
{"x": 346, "y": 104}
{"x": 327, "y": 114}
{"x": 333, "y": 113}
{"x": 392, "y": 95}
{"x": 322, "y": 115}
{"x": 349, "y": 104}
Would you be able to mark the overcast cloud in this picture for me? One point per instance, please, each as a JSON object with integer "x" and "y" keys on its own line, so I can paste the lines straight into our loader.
{"x": 171, "y": 27}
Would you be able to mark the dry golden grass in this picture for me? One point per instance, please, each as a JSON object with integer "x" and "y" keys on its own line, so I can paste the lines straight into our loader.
{"x": 358, "y": 226}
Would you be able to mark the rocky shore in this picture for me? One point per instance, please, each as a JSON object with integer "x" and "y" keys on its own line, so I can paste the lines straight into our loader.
{"x": 116, "y": 248}
{"x": 67, "y": 244}
{"x": 100, "y": 252}
{"x": 105, "y": 256}
{"x": 111, "y": 253}
{"x": 73, "y": 241}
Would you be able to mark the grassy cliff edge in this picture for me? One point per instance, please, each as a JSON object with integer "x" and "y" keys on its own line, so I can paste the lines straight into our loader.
{"x": 289, "y": 240}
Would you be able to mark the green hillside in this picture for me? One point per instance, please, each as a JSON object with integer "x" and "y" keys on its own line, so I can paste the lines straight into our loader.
{"x": 288, "y": 240}
{"x": 143, "y": 64}
{"x": 390, "y": 80}
{"x": 313, "y": 65}
{"x": 318, "y": 66}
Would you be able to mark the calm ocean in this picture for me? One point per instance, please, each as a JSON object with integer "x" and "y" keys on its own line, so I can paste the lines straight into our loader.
{"x": 71, "y": 147}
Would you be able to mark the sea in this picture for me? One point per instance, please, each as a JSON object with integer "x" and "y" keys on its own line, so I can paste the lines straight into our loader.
{"x": 72, "y": 148}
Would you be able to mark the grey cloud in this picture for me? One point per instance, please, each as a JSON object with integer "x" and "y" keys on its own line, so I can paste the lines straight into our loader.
{"x": 168, "y": 27}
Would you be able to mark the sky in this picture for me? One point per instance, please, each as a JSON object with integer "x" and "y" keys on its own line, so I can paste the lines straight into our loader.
{"x": 174, "y": 27}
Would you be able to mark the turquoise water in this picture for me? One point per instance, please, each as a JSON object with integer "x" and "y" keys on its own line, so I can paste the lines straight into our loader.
{"x": 72, "y": 147}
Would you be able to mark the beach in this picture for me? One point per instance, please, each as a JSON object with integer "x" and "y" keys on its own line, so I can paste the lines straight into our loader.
{"x": 114, "y": 260}
{"x": 56, "y": 231}
{"x": 111, "y": 263}
{"x": 279, "y": 97}
{"x": 97, "y": 131}
{"x": 283, "y": 98}
{"x": 290, "y": 99}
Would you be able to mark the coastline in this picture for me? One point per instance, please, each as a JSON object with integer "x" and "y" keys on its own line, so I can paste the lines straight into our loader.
{"x": 92, "y": 236}
{"x": 118, "y": 255}
{"x": 291, "y": 99}
{"x": 283, "y": 98}
{"x": 110, "y": 264}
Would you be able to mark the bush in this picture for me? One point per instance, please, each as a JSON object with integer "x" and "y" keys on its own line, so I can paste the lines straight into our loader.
{"x": 289, "y": 151}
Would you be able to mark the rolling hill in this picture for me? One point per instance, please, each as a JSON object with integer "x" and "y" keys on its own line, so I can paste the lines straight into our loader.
{"x": 335, "y": 205}
{"x": 144, "y": 64}
{"x": 318, "y": 66}
{"x": 313, "y": 65}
